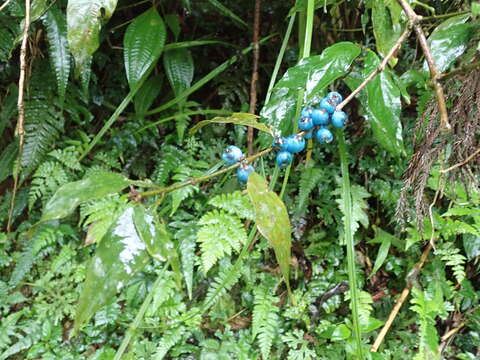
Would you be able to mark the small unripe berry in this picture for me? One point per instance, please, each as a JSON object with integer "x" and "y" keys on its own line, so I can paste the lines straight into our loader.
{"x": 328, "y": 105}
{"x": 323, "y": 135}
{"x": 305, "y": 123}
{"x": 335, "y": 97}
{"x": 243, "y": 172}
{"x": 232, "y": 154}
{"x": 320, "y": 117}
{"x": 294, "y": 143}
{"x": 339, "y": 118}
{"x": 283, "y": 159}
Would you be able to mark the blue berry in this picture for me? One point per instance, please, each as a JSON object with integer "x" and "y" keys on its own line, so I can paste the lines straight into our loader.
{"x": 323, "y": 135}
{"x": 335, "y": 97}
{"x": 232, "y": 154}
{"x": 243, "y": 172}
{"x": 328, "y": 105}
{"x": 306, "y": 112}
{"x": 283, "y": 159}
{"x": 308, "y": 135}
{"x": 305, "y": 123}
{"x": 339, "y": 118}
{"x": 278, "y": 142}
{"x": 294, "y": 143}
{"x": 320, "y": 117}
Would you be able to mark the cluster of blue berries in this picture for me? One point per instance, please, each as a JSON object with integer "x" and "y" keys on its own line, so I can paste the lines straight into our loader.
{"x": 313, "y": 123}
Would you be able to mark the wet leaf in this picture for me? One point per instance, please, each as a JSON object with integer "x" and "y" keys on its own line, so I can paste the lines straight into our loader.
{"x": 272, "y": 221}
{"x": 84, "y": 19}
{"x": 70, "y": 195}
{"x": 179, "y": 68}
{"x": 381, "y": 105}
{"x": 313, "y": 75}
{"x": 119, "y": 256}
{"x": 449, "y": 40}
{"x": 236, "y": 119}
{"x": 143, "y": 44}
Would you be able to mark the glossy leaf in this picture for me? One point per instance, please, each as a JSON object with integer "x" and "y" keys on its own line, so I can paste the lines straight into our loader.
{"x": 143, "y": 43}
{"x": 56, "y": 27}
{"x": 179, "y": 68}
{"x": 381, "y": 105}
{"x": 70, "y": 195}
{"x": 449, "y": 40}
{"x": 245, "y": 119}
{"x": 84, "y": 19}
{"x": 119, "y": 256}
{"x": 147, "y": 94}
{"x": 312, "y": 75}
{"x": 272, "y": 221}
{"x": 386, "y": 26}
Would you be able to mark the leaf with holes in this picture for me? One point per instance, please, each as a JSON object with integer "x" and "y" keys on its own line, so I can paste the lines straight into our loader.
{"x": 143, "y": 44}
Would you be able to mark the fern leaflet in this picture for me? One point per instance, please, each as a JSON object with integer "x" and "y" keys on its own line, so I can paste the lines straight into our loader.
{"x": 265, "y": 318}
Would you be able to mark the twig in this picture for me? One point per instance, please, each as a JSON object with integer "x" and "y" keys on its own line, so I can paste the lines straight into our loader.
{"x": 20, "y": 131}
{"x": 254, "y": 81}
{"x": 434, "y": 74}
{"x": 379, "y": 69}
{"x": 443, "y": 16}
{"x": 403, "y": 296}
{"x": 5, "y": 4}
{"x": 459, "y": 70}
{"x": 200, "y": 179}
{"x": 470, "y": 157}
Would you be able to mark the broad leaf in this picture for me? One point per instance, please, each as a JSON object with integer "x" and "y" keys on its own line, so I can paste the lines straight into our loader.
{"x": 236, "y": 119}
{"x": 272, "y": 221}
{"x": 119, "y": 256}
{"x": 143, "y": 44}
{"x": 385, "y": 240}
{"x": 179, "y": 68}
{"x": 84, "y": 19}
{"x": 313, "y": 75}
{"x": 449, "y": 40}
{"x": 56, "y": 27}
{"x": 147, "y": 94}
{"x": 70, "y": 195}
{"x": 381, "y": 105}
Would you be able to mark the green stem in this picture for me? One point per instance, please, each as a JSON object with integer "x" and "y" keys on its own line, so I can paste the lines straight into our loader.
{"x": 215, "y": 72}
{"x": 443, "y": 16}
{"x": 352, "y": 277}
{"x": 139, "y": 318}
{"x": 200, "y": 179}
{"x": 308, "y": 29}
{"x": 280, "y": 57}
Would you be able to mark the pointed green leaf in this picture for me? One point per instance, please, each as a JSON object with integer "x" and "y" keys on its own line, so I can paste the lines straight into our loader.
{"x": 143, "y": 44}
{"x": 119, "y": 256}
{"x": 147, "y": 94}
{"x": 236, "y": 119}
{"x": 227, "y": 12}
{"x": 7, "y": 158}
{"x": 56, "y": 26}
{"x": 272, "y": 221}
{"x": 84, "y": 20}
{"x": 70, "y": 195}
{"x": 449, "y": 40}
{"x": 312, "y": 75}
{"x": 179, "y": 68}
{"x": 382, "y": 251}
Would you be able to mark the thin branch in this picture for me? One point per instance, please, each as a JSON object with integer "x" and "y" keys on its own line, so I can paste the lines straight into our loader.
{"x": 200, "y": 179}
{"x": 254, "y": 80}
{"x": 434, "y": 74}
{"x": 380, "y": 68}
{"x": 20, "y": 131}
{"x": 444, "y": 16}
{"x": 459, "y": 70}
{"x": 403, "y": 296}
{"x": 470, "y": 157}
{"x": 4, "y": 5}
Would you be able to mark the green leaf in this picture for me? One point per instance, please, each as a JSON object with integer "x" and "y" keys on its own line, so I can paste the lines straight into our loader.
{"x": 272, "y": 221}
{"x": 386, "y": 26}
{"x": 449, "y": 40}
{"x": 475, "y": 8}
{"x": 56, "y": 26}
{"x": 179, "y": 68}
{"x": 359, "y": 206}
{"x": 245, "y": 119}
{"x": 143, "y": 44}
{"x": 382, "y": 105}
{"x": 312, "y": 75}
{"x": 119, "y": 256}
{"x": 70, "y": 195}
{"x": 227, "y": 12}
{"x": 471, "y": 245}
{"x": 84, "y": 20}
{"x": 147, "y": 94}
{"x": 6, "y": 160}
{"x": 382, "y": 252}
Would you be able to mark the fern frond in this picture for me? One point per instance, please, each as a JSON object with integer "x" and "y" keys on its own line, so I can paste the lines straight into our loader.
{"x": 222, "y": 283}
{"x": 168, "y": 162}
{"x": 308, "y": 181}
{"x": 265, "y": 318}
{"x": 359, "y": 206}
{"x": 46, "y": 180}
{"x": 68, "y": 157}
{"x": 234, "y": 203}
{"x": 169, "y": 339}
{"x": 220, "y": 233}
{"x": 452, "y": 258}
